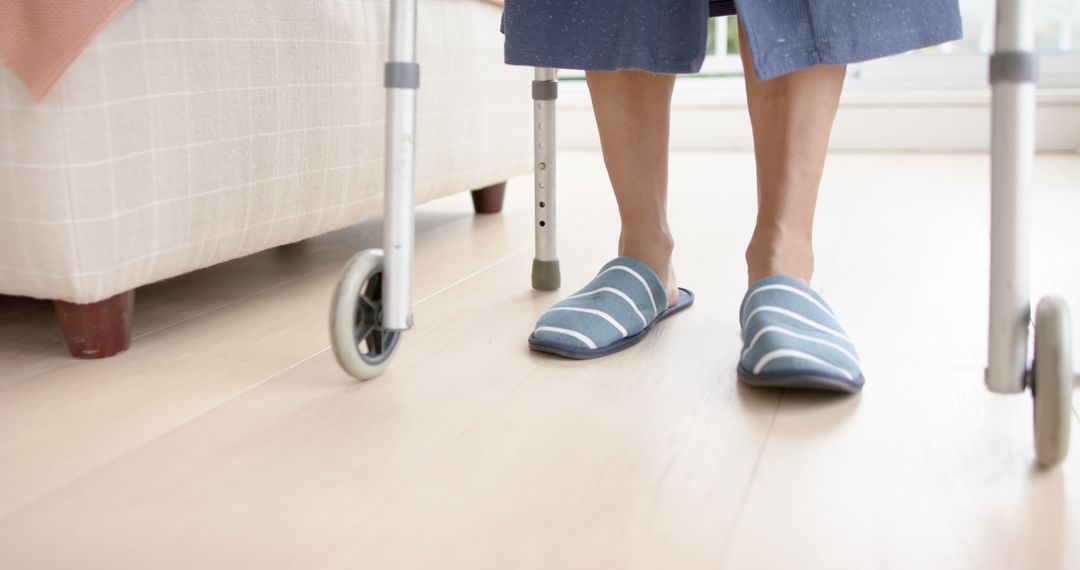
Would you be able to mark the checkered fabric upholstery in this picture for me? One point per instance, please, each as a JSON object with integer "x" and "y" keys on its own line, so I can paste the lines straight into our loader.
{"x": 195, "y": 132}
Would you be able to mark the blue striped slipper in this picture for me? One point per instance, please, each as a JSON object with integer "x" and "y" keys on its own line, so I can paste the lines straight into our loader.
{"x": 614, "y": 311}
{"x": 791, "y": 339}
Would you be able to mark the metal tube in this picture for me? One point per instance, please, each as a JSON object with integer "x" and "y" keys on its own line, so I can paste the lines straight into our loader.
{"x": 545, "y": 275}
{"x": 720, "y": 31}
{"x": 1014, "y": 28}
{"x": 398, "y": 232}
{"x": 1012, "y": 154}
{"x": 544, "y": 173}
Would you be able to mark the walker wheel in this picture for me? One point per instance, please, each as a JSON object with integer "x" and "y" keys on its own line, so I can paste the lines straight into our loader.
{"x": 362, "y": 347}
{"x": 1053, "y": 381}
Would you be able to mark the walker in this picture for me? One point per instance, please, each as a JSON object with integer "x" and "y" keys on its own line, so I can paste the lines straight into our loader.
{"x": 372, "y": 304}
{"x": 1013, "y": 70}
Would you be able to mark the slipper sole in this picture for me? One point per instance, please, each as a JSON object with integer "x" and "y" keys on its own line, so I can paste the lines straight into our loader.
{"x": 800, "y": 381}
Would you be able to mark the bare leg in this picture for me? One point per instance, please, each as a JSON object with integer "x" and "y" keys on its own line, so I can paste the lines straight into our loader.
{"x": 632, "y": 113}
{"x": 792, "y": 118}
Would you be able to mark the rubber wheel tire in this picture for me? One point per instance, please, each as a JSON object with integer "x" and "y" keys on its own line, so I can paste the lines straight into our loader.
{"x": 1053, "y": 381}
{"x": 362, "y": 347}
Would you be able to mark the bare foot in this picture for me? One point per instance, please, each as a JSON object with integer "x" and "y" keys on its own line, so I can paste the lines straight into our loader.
{"x": 657, "y": 255}
{"x": 672, "y": 287}
{"x": 670, "y": 283}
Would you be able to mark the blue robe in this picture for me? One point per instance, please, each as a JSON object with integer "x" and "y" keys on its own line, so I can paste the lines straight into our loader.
{"x": 669, "y": 36}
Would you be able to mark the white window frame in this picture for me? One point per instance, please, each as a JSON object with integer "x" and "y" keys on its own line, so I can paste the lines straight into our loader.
{"x": 943, "y": 70}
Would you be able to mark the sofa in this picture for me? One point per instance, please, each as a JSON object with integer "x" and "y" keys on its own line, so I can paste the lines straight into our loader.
{"x": 192, "y": 133}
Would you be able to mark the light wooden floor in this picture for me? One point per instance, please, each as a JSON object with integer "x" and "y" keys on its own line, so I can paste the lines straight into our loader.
{"x": 228, "y": 438}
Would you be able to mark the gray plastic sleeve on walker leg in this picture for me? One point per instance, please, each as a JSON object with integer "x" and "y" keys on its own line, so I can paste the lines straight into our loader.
{"x": 401, "y": 75}
{"x": 545, "y": 275}
{"x": 1014, "y": 67}
{"x": 545, "y": 90}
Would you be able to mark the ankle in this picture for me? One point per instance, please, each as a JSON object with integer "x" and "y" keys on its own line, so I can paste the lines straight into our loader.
{"x": 654, "y": 250}
{"x": 794, "y": 260}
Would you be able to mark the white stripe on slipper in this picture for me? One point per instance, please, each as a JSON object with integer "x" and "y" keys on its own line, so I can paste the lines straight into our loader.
{"x": 782, "y": 330}
{"x": 598, "y": 313}
{"x": 789, "y": 289}
{"x": 621, "y": 295}
{"x": 792, "y": 353}
{"x": 797, "y": 317}
{"x": 648, "y": 290}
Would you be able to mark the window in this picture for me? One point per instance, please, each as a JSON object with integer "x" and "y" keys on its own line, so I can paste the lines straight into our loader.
{"x": 961, "y": 64}
{"x": 956, "y": 64}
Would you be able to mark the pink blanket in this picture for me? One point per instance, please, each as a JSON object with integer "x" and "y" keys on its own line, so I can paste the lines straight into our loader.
{"x": 39, "y": 39}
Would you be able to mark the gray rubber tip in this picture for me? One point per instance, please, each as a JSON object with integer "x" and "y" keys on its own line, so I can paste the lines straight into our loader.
{"x": 545, "y": 275}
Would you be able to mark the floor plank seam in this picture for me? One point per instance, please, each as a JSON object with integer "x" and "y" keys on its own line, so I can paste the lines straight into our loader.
{"x": 488, "y": 267}
{"x": 226, "y": 305}
{"x": 189, "y": 319}
{"x": 180, "y": 425}
{"x": 313, "y": 271}
{"x": 749, "y": 485}
{"x": 437, "y": 453}
{"x": 201, "y": 314}
{"x": 45, "y": 495}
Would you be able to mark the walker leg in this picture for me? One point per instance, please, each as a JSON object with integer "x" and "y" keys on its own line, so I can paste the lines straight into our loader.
{"x": 372, "y": 303}
{"x": 402, "y": 79}
{"x": 545, "y": 91}
{"x": 1012, "y": 76}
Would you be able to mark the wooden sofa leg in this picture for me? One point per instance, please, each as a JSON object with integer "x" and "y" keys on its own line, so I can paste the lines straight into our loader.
{"x": 489, "y": 200}
{"x": 97, "y": 330}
